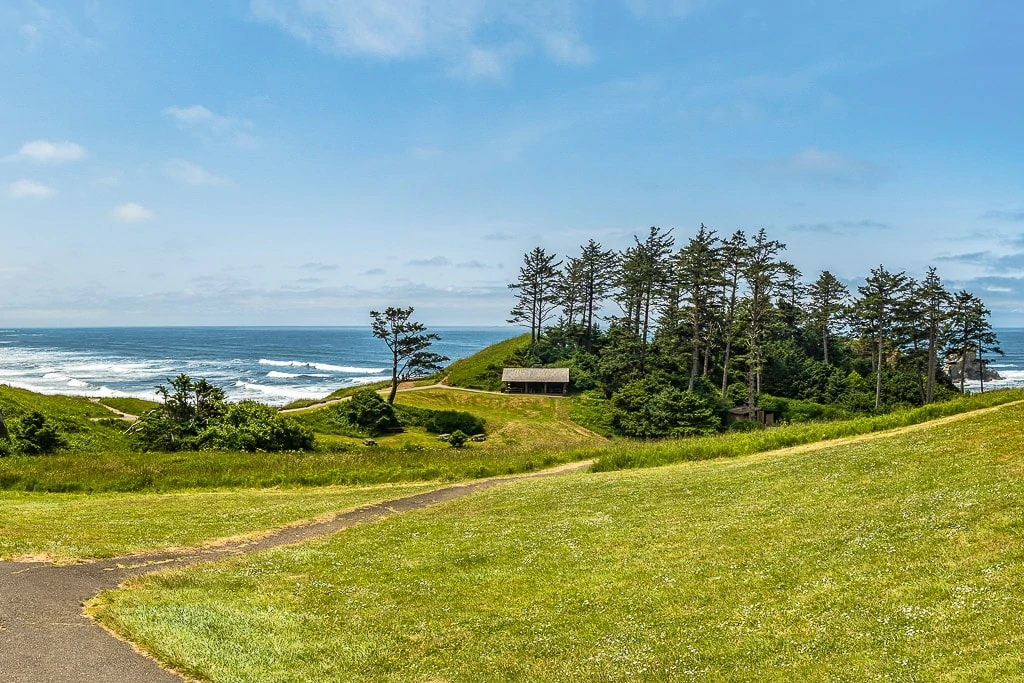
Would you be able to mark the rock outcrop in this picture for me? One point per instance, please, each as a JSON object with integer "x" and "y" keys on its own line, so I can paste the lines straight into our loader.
{"x": 972, "y": 369}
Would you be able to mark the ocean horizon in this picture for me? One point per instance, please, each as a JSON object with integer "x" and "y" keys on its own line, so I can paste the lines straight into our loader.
{"x": 275, "y": 365}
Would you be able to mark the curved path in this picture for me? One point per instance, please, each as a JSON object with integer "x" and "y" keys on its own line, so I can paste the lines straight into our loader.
{"x": 44, "y": 636}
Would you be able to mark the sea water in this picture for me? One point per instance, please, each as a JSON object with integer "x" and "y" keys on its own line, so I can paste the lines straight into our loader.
{"x": 274, "y": 365}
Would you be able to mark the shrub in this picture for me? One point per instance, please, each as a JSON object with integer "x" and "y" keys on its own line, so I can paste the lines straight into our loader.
{"x": 368, "y": 411}
{"x": 451, "y": 421}
{"x": 36, "y": 434}
{"x": 646, "y": 409}
{"x": 457, "y": 439}
{"x": 251, "y": 426}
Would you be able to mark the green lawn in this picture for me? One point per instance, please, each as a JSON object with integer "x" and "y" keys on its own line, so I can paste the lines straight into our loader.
{"x": 66, "y": 527}
{"x": 895, "y": 558}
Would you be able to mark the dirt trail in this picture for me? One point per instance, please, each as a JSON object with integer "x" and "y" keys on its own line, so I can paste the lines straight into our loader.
{"x": 45, "y": 637}
{"x": 120, "y": 413}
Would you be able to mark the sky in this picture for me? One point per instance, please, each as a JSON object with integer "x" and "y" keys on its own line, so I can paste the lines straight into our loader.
{"x": 300, "y": 162}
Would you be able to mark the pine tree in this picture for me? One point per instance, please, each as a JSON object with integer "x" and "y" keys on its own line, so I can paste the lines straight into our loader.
{"x": 829, "y": 299}
{"x": 876, "y": 312}
{"x": 536, "y": 291}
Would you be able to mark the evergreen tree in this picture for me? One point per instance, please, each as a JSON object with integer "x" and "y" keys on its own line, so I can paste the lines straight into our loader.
{"x": 598, "y": 273}
{"x": 733, "y": 253}
{"x": 697, "y": 270}
{"x": 829, "y": 299}
{"x": 935, "y": 301}
{"x": 764, "y": 274}
{"x": 408, "y": 342}
{"x": 536, "y": 291}
{"x": 971, "y": 332}
{"x": 876, "y": 311}
{"x": 642, "y": 280}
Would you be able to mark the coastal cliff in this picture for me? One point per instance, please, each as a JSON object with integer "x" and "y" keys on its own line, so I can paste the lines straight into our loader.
{"x": 972, "y": 368}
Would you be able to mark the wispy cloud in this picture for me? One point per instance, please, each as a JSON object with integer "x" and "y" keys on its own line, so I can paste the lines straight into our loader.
{"x": 375, "y": 271}
{"x": 499, "y": 237}
{"x": 132, "y": 213}
{"x": 193, "y": 174}
{"x": 841, "y": 227}
{"x": 992, "y": 262}
{"x": 318, "y": 267}
{"x": 478, "y": 39}
{"x": 196, "y": 117}
{"x": 659, "y": 9}
{"x": 1013, "y": 215}
{"x": 825, "y": 167}
{"x": 435, "y": 262}
{"x": 30, "y": 189}
{"x": 49, "y": 152}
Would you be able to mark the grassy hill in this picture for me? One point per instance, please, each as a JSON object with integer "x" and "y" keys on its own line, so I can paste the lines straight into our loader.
{"x": 888, "y": 558}
{"x": 482, "y": 370}
{"x": 87, "y": 425}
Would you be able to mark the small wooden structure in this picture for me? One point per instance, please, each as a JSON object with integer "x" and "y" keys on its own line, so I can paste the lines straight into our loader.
{"x": 743, "y": 413}
{"x": 536, "y": 380}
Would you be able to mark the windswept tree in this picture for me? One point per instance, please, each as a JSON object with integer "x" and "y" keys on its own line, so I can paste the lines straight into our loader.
{"x": 970, "y": 333}
{"x": 643, "y": 276}
{"x": 409, "y": 342}
{"x": 934, "y": 302}
{"x": 829, "y": 299}
{"x": 765, "y": 274}
{"x": 537, "y": 291}
{"x": 733, "y": 254}
{"x": 598, "y": 270}
{"x": 877, "y": 309}
{"x": 697, "y": 270}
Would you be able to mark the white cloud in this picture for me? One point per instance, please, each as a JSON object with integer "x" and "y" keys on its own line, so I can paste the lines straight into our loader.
{"x": 49, "y": 152}
{"x": 132, "y": 213}
{"x": 193, "y": 174}
{"x": 190, "y": 115}
{"x": 664, "y": 8}
{"x": 227, "y": 128}
{"x": 479, "y": 39}
{"x": 827, "y": 167}
{"x": 30, "y": 189}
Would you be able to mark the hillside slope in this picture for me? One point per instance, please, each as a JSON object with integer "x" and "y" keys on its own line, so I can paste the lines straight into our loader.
{"x": 891, "y": 558}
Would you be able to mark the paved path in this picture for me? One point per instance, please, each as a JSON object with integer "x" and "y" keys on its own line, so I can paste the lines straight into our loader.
{"x": 45, "y": 637}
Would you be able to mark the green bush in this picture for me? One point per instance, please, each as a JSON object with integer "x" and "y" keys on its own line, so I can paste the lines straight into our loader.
{"x": 35, "y": 434}
{"x": 440, "y": 421}
{"x": 451, "y": 421}
{"x": 458, "y": 439}
{"x": 366, "y": 410}
{"x": 251, "y": 426}
{"x": 647, "y": 409}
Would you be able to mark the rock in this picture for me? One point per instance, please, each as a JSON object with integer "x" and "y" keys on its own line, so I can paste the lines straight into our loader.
{"x": 972, "y": 369}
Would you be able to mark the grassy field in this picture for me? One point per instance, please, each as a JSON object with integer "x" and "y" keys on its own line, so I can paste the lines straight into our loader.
{"x": 896, "y": 558}
{"x": 66, "y": 527}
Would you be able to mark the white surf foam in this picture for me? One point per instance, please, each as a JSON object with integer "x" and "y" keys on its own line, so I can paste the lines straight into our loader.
{"x": 349, "y": 369}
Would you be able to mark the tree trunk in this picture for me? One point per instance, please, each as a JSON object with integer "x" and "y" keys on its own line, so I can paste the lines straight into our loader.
{"x": 878, "y": 374}
{"x": 4, "y": 433}
{"x": 824, "y": 341}
{"x": 394, "y": 377}
{"x": 725, "y": 366}
{"x": 930, "y": 391}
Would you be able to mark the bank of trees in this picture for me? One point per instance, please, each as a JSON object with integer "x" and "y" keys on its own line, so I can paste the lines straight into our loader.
{"x": 668, "y": 327}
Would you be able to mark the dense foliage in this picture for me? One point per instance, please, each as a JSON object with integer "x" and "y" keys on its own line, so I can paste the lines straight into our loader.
{"x": 722, "y": 322}
{"x": 367, "y": 411}
{"x": 194, "y": 416}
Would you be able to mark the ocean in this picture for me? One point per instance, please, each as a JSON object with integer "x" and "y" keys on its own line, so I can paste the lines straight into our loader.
{"x": 274, "y": 365}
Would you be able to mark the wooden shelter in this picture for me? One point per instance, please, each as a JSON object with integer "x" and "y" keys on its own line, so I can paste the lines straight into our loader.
{"x": 743, "y": 413}
{"x": 536, "y": 380}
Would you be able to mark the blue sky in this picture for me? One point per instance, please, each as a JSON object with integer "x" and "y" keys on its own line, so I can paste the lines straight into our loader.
{"x": 303, "y": 161}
